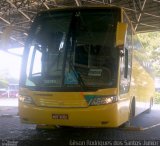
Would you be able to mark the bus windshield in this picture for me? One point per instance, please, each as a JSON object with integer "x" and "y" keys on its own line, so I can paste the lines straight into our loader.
{"x": 73, "y": 49}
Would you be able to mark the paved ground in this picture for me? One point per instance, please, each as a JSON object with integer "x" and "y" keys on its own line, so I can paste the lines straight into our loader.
{"x": 13, "y": 133}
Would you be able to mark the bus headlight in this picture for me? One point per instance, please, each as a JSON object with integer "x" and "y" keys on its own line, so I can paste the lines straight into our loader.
{"x": 102, "y": 100}
{"x": 26, "y": 99}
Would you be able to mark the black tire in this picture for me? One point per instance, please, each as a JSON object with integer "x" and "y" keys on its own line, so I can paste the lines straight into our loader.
{"x": 150, "y": 106}
{"x": 131, "y": 114}
{"x": 132, "y": 111}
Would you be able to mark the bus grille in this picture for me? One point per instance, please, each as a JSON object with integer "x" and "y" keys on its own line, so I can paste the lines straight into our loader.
{"x": 61, "y": 103}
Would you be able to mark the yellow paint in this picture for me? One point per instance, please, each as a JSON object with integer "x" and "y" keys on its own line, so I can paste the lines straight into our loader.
{"x": 79, "y": 112}
{"x": 93, "y": 116}
{"x": 120, "y": 34}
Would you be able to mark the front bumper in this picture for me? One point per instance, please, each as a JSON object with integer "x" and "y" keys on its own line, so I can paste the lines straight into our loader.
{"x": 93, "y": 116}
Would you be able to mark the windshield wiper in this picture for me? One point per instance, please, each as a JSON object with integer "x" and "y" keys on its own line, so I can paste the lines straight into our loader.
{"x": 77, "y": 75}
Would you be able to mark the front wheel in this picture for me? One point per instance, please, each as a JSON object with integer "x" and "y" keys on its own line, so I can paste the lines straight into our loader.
{"x": 131, "y": 114}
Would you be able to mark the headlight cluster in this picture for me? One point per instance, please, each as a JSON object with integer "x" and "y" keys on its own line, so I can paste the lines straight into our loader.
{"x": 26, "y": 99}
{"x": 100, "y": 100}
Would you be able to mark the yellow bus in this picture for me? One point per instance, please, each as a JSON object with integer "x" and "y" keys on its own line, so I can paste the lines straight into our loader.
{"x": 84, "y": 66}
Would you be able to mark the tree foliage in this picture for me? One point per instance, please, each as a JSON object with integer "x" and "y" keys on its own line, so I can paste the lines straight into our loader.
{"x": 151, "y": 43}
{"x": 3, "y": 78}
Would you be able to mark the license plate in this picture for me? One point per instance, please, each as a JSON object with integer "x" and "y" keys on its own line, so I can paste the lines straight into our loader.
{"x": 60, "y": 116}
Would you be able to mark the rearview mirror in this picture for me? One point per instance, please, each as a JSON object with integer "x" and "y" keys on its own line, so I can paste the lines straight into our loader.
{"x": 121, "y": 35}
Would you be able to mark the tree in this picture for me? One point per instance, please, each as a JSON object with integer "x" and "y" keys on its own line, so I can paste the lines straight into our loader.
{"x": 151, "y": 43}
{"x": 3, "y": 78}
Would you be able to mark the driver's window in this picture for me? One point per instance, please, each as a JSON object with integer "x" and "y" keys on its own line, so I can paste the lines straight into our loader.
{"x": 37, "y": 68}
{"x": 33, "y": 64}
